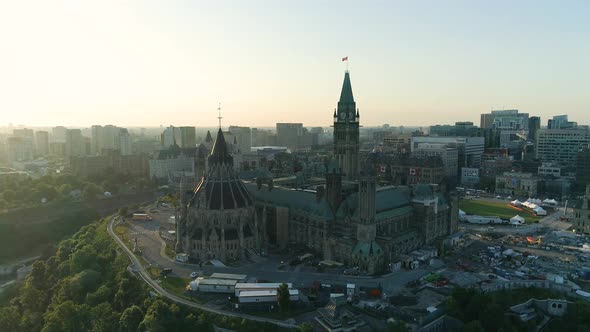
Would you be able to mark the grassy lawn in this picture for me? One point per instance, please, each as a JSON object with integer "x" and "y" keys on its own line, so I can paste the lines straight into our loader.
{"x": 499, "y": 209}
{"x": 122, "y": 231}
{"x": 170, "y": 251}
{"x": 175, "y": 285}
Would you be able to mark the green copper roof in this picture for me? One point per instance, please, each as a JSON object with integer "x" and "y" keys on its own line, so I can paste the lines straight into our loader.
{"x": 293, "y": 199}
{"x": 346, "y": 94}
{"x": 366, "y": 249}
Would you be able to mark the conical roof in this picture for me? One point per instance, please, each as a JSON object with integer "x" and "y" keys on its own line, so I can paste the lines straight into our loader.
{"x": 208, "y": 138}
{"x": 220, "y": 153}
{"x": 221, "y": 189}
{"x": 346, "y": 93}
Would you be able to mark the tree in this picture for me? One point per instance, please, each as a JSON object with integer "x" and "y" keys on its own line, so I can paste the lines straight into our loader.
{"x": 473, "y": 326}
{"x": 130, "y": 319}
{"x": 306, "y": 327}
{"x": 123, "y": 211}
{"x": 67, "y": 316}
{"x": 396, "y": 326}
{"x": 283, "y": 297}
{"x": 159, "y": 317}
{"x": 9, "y": 195}
{"x": 65, "y": 189}
{"x": 91, "y": 190}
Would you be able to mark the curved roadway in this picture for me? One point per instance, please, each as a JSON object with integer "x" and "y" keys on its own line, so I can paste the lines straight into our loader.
{"x": 138, "y": 268}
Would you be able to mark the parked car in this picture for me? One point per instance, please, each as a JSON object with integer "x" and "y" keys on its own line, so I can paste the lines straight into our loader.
{"x": 194, "y": 274}
{"x": 166, "y": 271}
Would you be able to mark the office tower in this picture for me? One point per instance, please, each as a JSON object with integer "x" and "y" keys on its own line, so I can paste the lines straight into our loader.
{"x": 243, "y": 136}
{"x": 42, "y": 143}
{"x": 561, "y": 145}
{"x": 534, "y": 126}
{"x": 188, "y": 137}
{"x": 19, "y": 149}
{"x": 75, "y": 144}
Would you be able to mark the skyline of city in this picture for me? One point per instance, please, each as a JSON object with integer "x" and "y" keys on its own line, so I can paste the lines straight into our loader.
{"x": 413, "y": 64}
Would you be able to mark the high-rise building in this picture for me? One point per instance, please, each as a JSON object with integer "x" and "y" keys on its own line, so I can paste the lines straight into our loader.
{"x": 465, "y": 128}
{"x": 508, "y": 124}
{"x": 470, "y": 149}
{"x": 24, "y": 132}
{"x": 42, "y": 143}
{"x": 293, "y": 135}
{"x": 534, "y": 126}
{"x": 263, "y": 137}
{"x": 75, "y": 143}
{"x": 243, "y": 137}
{"x": 561, "y": 145}
{"x": 505, "y": 120}
{"x": 583, "y": 168}
{"x": 448, "y": 155}
{"x": 109, "y": 138}
{"x": 59, "y": 134}
{"x": 346, "y": 131}
{"x": 170, "y": 137}
{"x": 561, "y": 122}
{"x": 19, "y": 149}
{"x": 188, "y": 137}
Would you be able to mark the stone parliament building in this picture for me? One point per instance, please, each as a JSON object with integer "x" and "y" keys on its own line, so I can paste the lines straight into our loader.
{"x": 348, "y": 220}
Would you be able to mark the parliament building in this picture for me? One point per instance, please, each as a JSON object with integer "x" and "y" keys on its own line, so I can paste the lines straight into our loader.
{"x": 349, "y": 220}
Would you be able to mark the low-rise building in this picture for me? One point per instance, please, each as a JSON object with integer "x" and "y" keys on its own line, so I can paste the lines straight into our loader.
{"x": 265, "y": 296}
{"x": 517, "y": 184}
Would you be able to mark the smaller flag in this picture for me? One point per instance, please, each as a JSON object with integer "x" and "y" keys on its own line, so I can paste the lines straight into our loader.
{"x": 345, "y": 58}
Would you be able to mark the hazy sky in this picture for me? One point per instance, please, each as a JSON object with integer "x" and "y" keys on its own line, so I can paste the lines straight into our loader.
{"x": 170, "y": 62}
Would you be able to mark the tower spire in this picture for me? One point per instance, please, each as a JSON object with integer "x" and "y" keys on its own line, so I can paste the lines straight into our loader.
{"x": 219, "y": 115}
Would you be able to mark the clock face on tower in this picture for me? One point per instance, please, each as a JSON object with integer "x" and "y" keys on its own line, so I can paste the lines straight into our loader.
{"x": 351, "y": 116}
{"x": 342, "y": 116}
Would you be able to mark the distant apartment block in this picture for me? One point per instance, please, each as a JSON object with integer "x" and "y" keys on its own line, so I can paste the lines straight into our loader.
{"x": 42, "y": 143}
{"x": 19, "y": 149}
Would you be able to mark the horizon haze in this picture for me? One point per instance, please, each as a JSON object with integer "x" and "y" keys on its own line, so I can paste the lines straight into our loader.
{"x": 148, "y": 63}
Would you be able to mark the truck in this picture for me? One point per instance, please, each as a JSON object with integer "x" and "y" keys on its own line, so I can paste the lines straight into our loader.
{"x": 141, "y": 216}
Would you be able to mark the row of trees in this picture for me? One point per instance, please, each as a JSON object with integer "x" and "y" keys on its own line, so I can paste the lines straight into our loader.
{"x": 487, "y": 311}
{"x": 21, "y": 191}
{"x": 85, "y": 286}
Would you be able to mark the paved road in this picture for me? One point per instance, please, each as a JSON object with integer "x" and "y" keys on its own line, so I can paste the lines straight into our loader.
{"x": 267, "y": 267}
{"x": 138, "y": 268}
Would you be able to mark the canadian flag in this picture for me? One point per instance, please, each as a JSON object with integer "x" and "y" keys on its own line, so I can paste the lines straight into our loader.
{"x": 383, "y": 168}
{"x": 413, "y": 171}
{"x": 345, "y": 58}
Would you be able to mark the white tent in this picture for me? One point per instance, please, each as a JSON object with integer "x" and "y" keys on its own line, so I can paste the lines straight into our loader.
{"x": 534, "y": 201}
{"x": 516, "y": 220}
{"x": 516, "y": 202}
{"x": 539, "y": 211}
{"x": 550, "y": 201}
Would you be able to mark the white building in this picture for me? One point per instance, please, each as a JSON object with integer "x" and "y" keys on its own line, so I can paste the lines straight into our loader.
{"x": 246, "y": 286}
{"x": 265, "y": 296}
{"x": 561, "y": 145}
{"x": 210, "y": 285}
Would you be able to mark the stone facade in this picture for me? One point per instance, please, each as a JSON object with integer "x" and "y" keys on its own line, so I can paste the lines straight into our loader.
{"x": 217, "y": 218}
{"x": 581, "y": 218}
